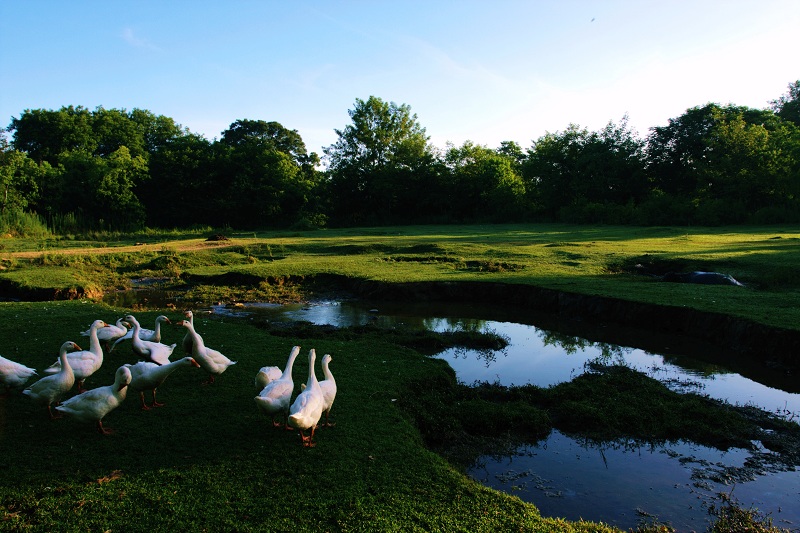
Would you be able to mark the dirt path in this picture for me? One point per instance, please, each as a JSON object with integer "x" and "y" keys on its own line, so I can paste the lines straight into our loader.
{"x": 177, "y": 246}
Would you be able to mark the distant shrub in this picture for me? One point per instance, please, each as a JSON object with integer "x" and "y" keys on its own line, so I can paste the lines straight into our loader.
{"x": 16, "y": 223}
{"x": 775, "y": 215}
{"x": 662, "y": 210}
{"x": 596, "y": 213}
{"x": 310, "y": 222}
{"x": 719, "y": 212}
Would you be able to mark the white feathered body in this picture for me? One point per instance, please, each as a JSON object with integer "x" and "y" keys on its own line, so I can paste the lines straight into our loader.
{"x": 50, "y": 389}
{"x": 84, "y": 363}
{"x": 276, "y": 396}
{"x": 14, "y": 375}
{"x": 307, "y": 408}
{"x": 187, "y": 339}
{"x": 266, "y": 375}
{"x": 146, "y": 375}
{"x": 328, "y": 385}
{"x": 154, "y": 351}
{"x": 109, "y": 332}
{"x": 149, "y": 335}
{"x": 212, "y": 361}
{"x": 92, "y": 405}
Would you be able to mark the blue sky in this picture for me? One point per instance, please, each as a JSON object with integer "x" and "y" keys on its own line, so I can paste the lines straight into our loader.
{"x": 485, "y": 71}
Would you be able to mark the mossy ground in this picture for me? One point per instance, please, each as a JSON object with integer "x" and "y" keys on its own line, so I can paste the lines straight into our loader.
{"x": 208, "y": 461}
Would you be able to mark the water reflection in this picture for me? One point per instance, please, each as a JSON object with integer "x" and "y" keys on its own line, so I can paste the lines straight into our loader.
{"x": 626, "y": 483}
{"x": 620, "y": 483}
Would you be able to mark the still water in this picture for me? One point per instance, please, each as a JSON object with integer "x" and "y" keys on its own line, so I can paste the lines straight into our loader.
{"x": 623, "y": 483}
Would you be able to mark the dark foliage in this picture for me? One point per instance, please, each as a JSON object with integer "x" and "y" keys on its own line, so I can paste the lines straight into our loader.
{"x": 113, "y": 169}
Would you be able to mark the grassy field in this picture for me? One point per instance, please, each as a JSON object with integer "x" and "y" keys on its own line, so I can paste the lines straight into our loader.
{"x": 591, "y": 260}
{"x": 209, "y": 461}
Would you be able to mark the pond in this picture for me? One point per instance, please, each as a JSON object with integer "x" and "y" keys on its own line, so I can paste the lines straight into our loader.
{"x": 623, "y": 483}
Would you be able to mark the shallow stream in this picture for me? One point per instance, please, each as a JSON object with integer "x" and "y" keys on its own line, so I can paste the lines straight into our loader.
{"x": 624, "y": 483}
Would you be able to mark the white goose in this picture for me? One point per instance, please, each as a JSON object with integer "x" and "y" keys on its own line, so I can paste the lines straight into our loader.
{"x": 109, "y": 332}
{"x": 187, "y": 339}
{"x": 266, "y": 375}
{"x": 85, "y": 362}
{"x": 50, "y": 389}
{"x": 212, "y": 361}
{"x": 150, "y": 335}
{"x": 328, "y": 386}
{"x": 93, "y": 405}
{"x": 13, "y": 375}
{"x": 149, "y": 376}
{"x": 276, "y": 396}
{"x": 307, "y": 408}
{"x": 152, "y": 351}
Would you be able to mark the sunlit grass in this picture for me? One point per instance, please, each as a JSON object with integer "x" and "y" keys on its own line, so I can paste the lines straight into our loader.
{"x": 582, "y": 259}
{"x": 209, "y": 460}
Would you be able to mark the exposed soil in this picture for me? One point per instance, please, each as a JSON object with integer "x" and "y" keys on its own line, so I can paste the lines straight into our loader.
{"x": 774, "y": 347}
{"x": 188, "y": 246}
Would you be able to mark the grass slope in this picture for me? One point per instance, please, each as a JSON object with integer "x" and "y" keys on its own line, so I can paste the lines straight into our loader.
{"x": 619, "y": 262}
{"x": 210, "y": 461}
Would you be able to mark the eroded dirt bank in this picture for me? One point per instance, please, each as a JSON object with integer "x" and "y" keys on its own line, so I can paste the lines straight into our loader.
{"x": 774, "y": 347}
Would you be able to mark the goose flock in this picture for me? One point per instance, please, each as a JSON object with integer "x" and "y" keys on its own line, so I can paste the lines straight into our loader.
{"x": 74, "y": 365}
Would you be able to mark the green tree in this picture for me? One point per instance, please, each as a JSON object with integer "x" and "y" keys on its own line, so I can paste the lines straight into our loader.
{"x": 45, "y": 134}
{"x": 157, "y": 131}
{"x": 374, "y": 165}
{"x": 787, "y": 106}
{"x": 728, "y": 162}
{"x": 269, "y": 135}
{"x": 113, "y": 129}
{"x": 514, "y": 153}
{"x": 551, "y": 167}
{"x": 182, "y": 190}
{"x": 18, "y": 178}
{"x": 578, "y": 172}
{"x": 484, "y": 184}
{"x": 99, "y": 190}
{"x": 268, "y": 174}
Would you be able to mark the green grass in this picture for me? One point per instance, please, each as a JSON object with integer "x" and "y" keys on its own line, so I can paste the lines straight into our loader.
{"x": 209, "y": 460}
{"x": 582, "y": 259}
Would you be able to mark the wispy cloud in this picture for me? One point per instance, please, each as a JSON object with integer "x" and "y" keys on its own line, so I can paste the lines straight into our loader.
{"x": 130, "y": 37}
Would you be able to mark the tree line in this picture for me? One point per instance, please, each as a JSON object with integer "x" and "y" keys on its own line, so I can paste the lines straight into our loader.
{"x": 118, "y": 170}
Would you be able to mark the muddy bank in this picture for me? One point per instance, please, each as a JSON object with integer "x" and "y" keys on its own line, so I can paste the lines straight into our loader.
{"x": 731, "y": 337}
{"x": 773, "y": 347}
{"x": 10, "y": 291}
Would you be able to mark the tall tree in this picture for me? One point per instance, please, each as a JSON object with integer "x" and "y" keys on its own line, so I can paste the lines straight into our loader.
{"x": 112, "y": 129}
{"x": 157, "y": 131}
{"x": 268, "y": 135}
{"x": 18, "y": 178}
{"x": 45, "y": 134}
{"x": 484, "y": 183}
{"x": 372, "y": 164}
{"x": 268, "y": 173}
{"x": 182, "y": 190}
{"x": 727, "y": 161}
{"x": 787, "y": 106}
{"x": 579, "y": 170}
{"x": 99, "y": 190}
